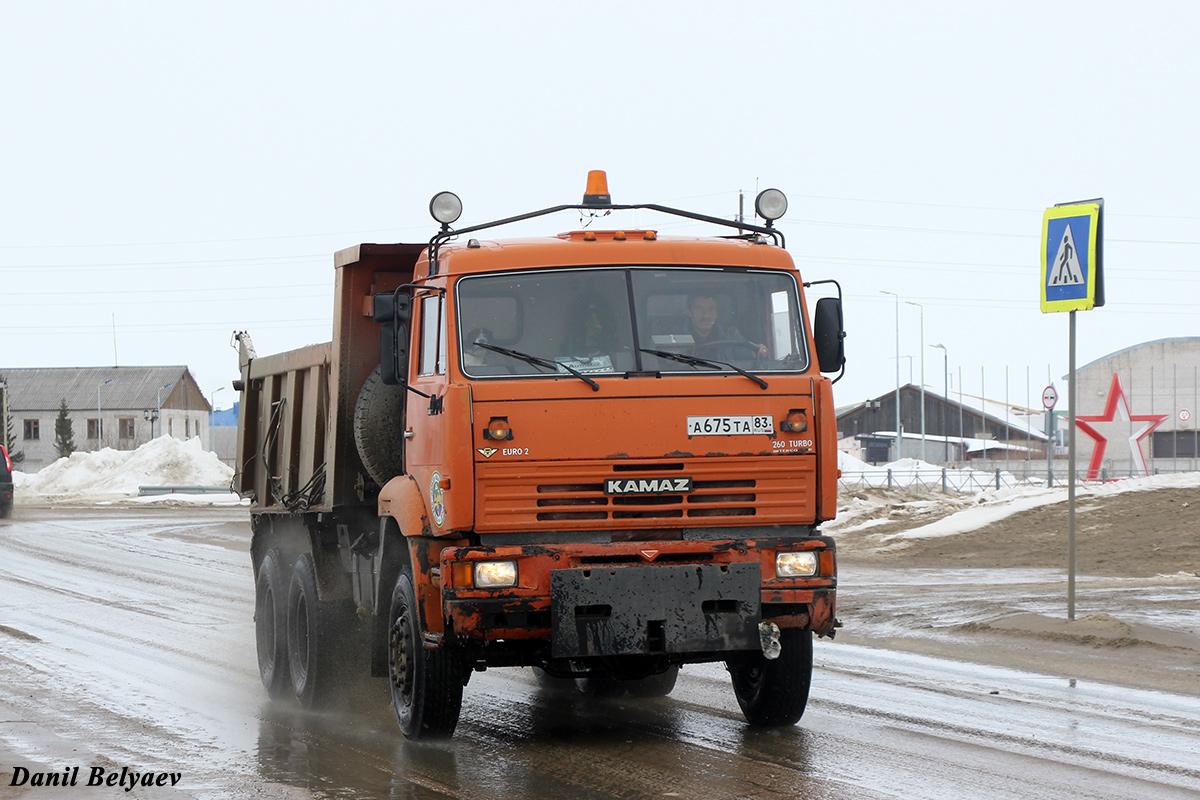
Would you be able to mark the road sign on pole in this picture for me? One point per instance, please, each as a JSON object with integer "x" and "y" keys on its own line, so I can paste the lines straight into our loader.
{"x": 1049, "y": 397}
{"x": 1072, "y": 280}
{"x": 1072, "y": 257}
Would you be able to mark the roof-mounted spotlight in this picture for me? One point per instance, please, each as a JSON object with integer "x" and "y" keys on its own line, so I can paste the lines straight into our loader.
{"x": 445, "y": 207}
{"x": 771, "y": 204}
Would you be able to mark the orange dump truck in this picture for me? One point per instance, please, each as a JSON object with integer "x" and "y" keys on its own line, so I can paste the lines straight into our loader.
{"x": 603, "y": 455}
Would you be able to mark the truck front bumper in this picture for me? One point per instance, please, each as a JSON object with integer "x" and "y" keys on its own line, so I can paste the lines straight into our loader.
{"x": 669, "y": 598}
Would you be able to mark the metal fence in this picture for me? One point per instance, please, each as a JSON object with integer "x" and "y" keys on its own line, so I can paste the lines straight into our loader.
{"x": 950, "y": 479}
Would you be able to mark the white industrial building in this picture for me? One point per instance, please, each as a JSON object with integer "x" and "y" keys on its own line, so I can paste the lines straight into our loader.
{"x": 1140, "y": 405}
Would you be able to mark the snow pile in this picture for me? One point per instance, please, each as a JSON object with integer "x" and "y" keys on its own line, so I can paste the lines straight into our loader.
{"x": 112, "y": 475}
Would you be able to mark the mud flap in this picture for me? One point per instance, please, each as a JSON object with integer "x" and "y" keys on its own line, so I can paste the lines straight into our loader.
{"x": 612, "y": 611}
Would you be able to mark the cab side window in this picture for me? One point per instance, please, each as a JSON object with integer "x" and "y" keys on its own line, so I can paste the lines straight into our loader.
{"x": 433, "y": 337}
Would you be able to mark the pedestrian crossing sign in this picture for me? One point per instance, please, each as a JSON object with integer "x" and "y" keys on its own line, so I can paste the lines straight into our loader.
{"x": 1072, "y": 256}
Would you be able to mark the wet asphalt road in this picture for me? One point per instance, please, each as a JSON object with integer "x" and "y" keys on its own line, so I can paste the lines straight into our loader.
{"x": 126, "y": 641}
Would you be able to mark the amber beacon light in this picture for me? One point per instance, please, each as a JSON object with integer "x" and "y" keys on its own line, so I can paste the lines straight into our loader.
{"x": 596, "y": 193}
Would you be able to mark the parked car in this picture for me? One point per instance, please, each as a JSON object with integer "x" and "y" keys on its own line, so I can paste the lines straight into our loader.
{"x": 6, "y": 483}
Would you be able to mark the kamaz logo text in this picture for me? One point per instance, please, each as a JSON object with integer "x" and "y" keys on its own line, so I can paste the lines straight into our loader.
{"x": 647, "y": 485}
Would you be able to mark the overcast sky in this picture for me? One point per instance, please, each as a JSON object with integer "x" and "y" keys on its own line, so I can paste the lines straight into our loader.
{"x": 172, "y": 172}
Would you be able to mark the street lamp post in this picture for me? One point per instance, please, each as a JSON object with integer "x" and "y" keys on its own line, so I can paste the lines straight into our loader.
{"x": 158, "y": 412}
{"x": 150, "y": 414}
{"x": 99, "y": 418}
{"x": 962, "y": 443}
{"x": 946, "y": 389}
{"x": 893, "y": 294}
{"x": 211, "y": 409}
{"x": 918, "y": 305}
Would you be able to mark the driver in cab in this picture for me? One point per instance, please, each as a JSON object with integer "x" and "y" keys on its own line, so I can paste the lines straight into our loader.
{"x": 712, "y": 339}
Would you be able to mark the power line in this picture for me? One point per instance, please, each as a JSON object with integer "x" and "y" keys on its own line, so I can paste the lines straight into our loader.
{"x": 172, "y": 326}
{"x": 213, "y": 241}
{"x": 143, "y": 265}
{"x": 176, "y": 291}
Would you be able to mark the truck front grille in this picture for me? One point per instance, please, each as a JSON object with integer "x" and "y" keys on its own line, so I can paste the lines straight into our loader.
{"x": 564, "y": 495}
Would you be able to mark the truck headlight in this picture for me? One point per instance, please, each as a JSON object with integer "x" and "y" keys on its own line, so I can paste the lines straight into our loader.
{"x": 495, "y": 574}
{"x": 801, "y": 564}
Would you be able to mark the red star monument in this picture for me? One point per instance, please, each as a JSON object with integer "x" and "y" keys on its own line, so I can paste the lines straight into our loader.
{"x": 1120, "y": 424}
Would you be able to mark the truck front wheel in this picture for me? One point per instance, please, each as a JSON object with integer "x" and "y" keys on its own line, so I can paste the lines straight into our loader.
{"x": 270, "y": 624}
{"x": 775, "y": 692}
{"x": 426, "y": 688}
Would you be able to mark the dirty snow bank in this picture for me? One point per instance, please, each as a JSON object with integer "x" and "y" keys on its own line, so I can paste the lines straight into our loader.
{"x": 108, "y": 475}
{"x": 871, "y": 505}
{"x": 995, "y": 505}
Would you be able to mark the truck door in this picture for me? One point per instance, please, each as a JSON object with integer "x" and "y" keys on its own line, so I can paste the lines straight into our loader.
{"x": 426, "y": 420}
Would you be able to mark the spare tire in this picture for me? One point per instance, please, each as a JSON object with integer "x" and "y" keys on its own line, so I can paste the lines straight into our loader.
{"x": 379, "y": 428}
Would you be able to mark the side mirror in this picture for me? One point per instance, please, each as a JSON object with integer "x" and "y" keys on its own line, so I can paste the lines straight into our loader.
{"x": 394, "y": 310}
{"x": 392, "y": 307}
{"x": 829, "y": 335}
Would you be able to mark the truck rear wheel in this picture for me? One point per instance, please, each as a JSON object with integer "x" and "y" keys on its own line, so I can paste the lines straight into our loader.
{"x": 553, "y": 683}
{"x": 426, "y": 688}
{"x": 270, "y": 624}
{"x": 599, "y": 684}
{"x": 659, "y": 685}
{"x": 311, "y": 648}
{"x": 775, "y": 692}
{"x": 379, "y": 428}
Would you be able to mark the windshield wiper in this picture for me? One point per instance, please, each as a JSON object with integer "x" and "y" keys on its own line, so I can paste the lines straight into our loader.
{"x": 540, "y": 362}
{"x": 696, "y": 361}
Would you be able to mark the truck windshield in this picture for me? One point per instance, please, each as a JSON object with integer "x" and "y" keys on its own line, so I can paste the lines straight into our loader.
{"x": 602, "y": 320}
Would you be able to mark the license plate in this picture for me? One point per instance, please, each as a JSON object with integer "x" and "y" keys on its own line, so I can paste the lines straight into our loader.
{"x": 730, "y": 426}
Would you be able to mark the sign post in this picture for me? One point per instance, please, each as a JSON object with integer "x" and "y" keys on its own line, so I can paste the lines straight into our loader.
{"x": 1049, "y": 400}
{"x": 1072, "y": 280}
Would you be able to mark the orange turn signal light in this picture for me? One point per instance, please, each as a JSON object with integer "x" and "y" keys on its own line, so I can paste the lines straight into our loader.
{"x": 796, "y": 421}
{"x": 498, "y": 429}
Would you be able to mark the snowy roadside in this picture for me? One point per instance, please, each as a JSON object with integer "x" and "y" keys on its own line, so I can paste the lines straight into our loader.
{"x": 954, "y": 513}
{"x": 962, "y": 575}
{"x": 981, "y": 577}
{"x": 113, "y": 477}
